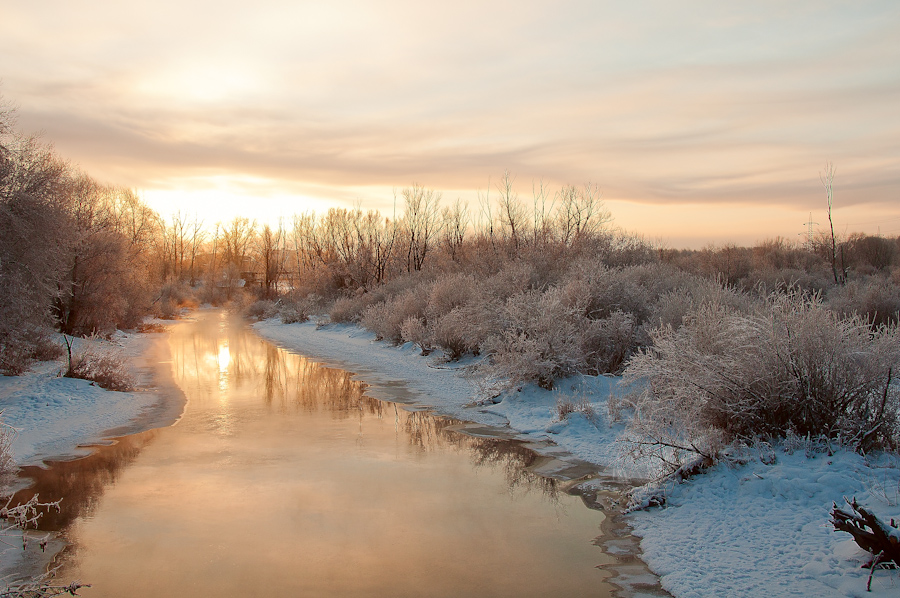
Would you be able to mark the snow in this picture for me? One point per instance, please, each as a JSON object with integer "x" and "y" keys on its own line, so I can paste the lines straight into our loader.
{"x": 55, "y": 417}
{"x": 748, "y": 529}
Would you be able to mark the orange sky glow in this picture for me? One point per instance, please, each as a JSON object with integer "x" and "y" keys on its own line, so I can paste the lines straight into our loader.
{"x": 702, "y": 122}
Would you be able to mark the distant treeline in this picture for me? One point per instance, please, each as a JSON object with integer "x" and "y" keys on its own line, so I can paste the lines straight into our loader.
{"x": 542, "y": 286}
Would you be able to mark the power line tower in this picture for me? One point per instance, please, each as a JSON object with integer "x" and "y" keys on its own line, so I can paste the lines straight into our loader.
{"x": 809, "y": 232}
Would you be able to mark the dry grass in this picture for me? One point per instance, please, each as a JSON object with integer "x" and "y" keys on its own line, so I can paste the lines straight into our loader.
{"x": 104, "y": 367}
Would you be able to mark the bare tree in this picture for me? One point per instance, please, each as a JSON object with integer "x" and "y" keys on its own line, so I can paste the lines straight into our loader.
{"x": 581, "y": 213}
{"x": 542, "y": 227}
{"x": 271, "y": 256}
{"x": 827, "y": 178}
{"x": 512, "y": 213}
{"x": 422, "y": 222}
{"x": 456, "y": 223}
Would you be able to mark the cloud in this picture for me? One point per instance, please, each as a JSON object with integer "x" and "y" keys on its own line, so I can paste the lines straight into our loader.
{"x": 704, "y": 103}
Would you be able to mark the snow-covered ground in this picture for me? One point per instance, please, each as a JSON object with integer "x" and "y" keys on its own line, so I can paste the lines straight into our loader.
{"x": 53, "y": 416}
{"x": 757, "y": 529}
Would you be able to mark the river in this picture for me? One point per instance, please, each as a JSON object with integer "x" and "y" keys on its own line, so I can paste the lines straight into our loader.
{"x": 282, "y": 478}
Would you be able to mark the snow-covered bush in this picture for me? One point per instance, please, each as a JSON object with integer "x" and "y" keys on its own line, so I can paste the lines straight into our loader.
{"x": 538, "y": 340}
{"x": 671, "y": 307}
{"x": 606, "y": 344}
{"x": 465, "y": 329}
{"x": 771, "y": 280}
{"x": 450, "y": 292}
{"x": 877, "y": 298}
{"x": 105, "y": 367}
{"x": 791, "y": 365}
{"x": 293, "y": 313}
{"x": 567, "y": 405}
{"x": 350, "y": 309}
{"x": 413, "y": 330}
{"x": 261, "y": 310}
{"x": 386, "y": 319}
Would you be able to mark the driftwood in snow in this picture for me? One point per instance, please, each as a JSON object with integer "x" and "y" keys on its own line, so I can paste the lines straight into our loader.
{"x": 869, "y": 532}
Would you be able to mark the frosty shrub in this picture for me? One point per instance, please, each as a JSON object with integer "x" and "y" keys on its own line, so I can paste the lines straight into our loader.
{"x": 537, "y": 341}
{"x": 20, "y": 346}
{"x": 413, "y": 330}
{"x": 791, "y": 365}
{"x": 514, "y": 278}
{"x": 386, "y": 319}
{"x": 448, "y": 293}
{"x": 606, "y": 344}
{"x": 343, "y": 310}
{"x": 671, "y": 307}
{"x": 293, "y": 313}
{"x": 465, "y": 329}
{"x": 261, "y": 310}
{"x": 350, "y": 309}
{"x": 771, "y": 280}
{"x": 566, "y": 406}
{"x": 104, "y": 367}
{"x": 876, "y": 298}
{"x": 599, "y": 291}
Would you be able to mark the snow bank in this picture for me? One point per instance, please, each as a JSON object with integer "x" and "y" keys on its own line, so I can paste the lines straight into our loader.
{"x": 428, "y": 381}
{"x": 749, "y": 530}
{"x": 53, "y": 417}
{"x": 763, "y": 530}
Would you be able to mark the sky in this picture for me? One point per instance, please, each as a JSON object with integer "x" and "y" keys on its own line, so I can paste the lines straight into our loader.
{"x": 701, "y": 121}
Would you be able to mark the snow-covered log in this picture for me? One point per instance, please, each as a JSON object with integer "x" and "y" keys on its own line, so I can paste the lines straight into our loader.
{"x": 869, "y": 532}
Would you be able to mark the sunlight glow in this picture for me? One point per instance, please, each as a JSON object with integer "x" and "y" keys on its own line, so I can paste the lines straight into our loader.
{"x": 220, "y": 198}
{"x": 224, "y": 360}
{"x": 201, "y": 83}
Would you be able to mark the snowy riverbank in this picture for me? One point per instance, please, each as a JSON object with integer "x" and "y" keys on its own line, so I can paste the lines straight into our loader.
{"x": 739, "y": 530}
{"x": 52, "y": 417}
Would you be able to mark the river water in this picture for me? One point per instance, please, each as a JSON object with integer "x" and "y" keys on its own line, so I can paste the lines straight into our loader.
{"x": 283, "y": 478}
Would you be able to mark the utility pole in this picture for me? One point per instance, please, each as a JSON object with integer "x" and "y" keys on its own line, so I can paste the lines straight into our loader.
{"x": 809, "y": 232}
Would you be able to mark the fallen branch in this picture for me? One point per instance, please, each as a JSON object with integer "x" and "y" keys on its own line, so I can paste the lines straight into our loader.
{"x": 869, "y": 533}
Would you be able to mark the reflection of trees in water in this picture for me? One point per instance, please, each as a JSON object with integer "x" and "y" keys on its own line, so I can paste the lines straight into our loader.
{"x": 515, "y": 460}
{"x": 80, "y": 483}
{"x": 426, "y": 431}
{"x": 293, "y": 381}
{"x": 290, "y": 382}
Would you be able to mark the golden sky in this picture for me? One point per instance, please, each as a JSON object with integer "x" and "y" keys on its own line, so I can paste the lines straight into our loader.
{"x": 700, "y": 121}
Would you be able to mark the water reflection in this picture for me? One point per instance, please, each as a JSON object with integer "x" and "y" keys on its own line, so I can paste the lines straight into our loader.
{"x": 284, "y": 478}
{"x": 80, "y": 483}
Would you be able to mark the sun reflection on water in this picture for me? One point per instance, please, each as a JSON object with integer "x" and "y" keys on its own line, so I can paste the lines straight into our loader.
{"x": 224, "y": 360}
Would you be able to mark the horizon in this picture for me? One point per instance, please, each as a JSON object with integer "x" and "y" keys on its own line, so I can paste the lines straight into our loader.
{"x": 701, "y": 125}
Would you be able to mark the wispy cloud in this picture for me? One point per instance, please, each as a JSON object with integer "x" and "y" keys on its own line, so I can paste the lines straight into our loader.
{"x": 703, "y": 103}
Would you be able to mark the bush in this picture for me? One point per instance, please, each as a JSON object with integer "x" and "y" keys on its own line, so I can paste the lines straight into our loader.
{"x": 261, "y": 310}
{"x": 791, "y": 366}
{"x": 293, "y": 313}
{"x": 876, "y": 298}
{"x": 413, "y": 330}
{"x": 386, "y": 319}
{"x": 566, "y": 406}
{"x": 465, "y": 329}
{"x": 104, "y": 367}
{"x": 350, "y": 309}
{"x": 606, "y": 344}
{"x": 19, "y": 347}
{"x": 537, "y": 341}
